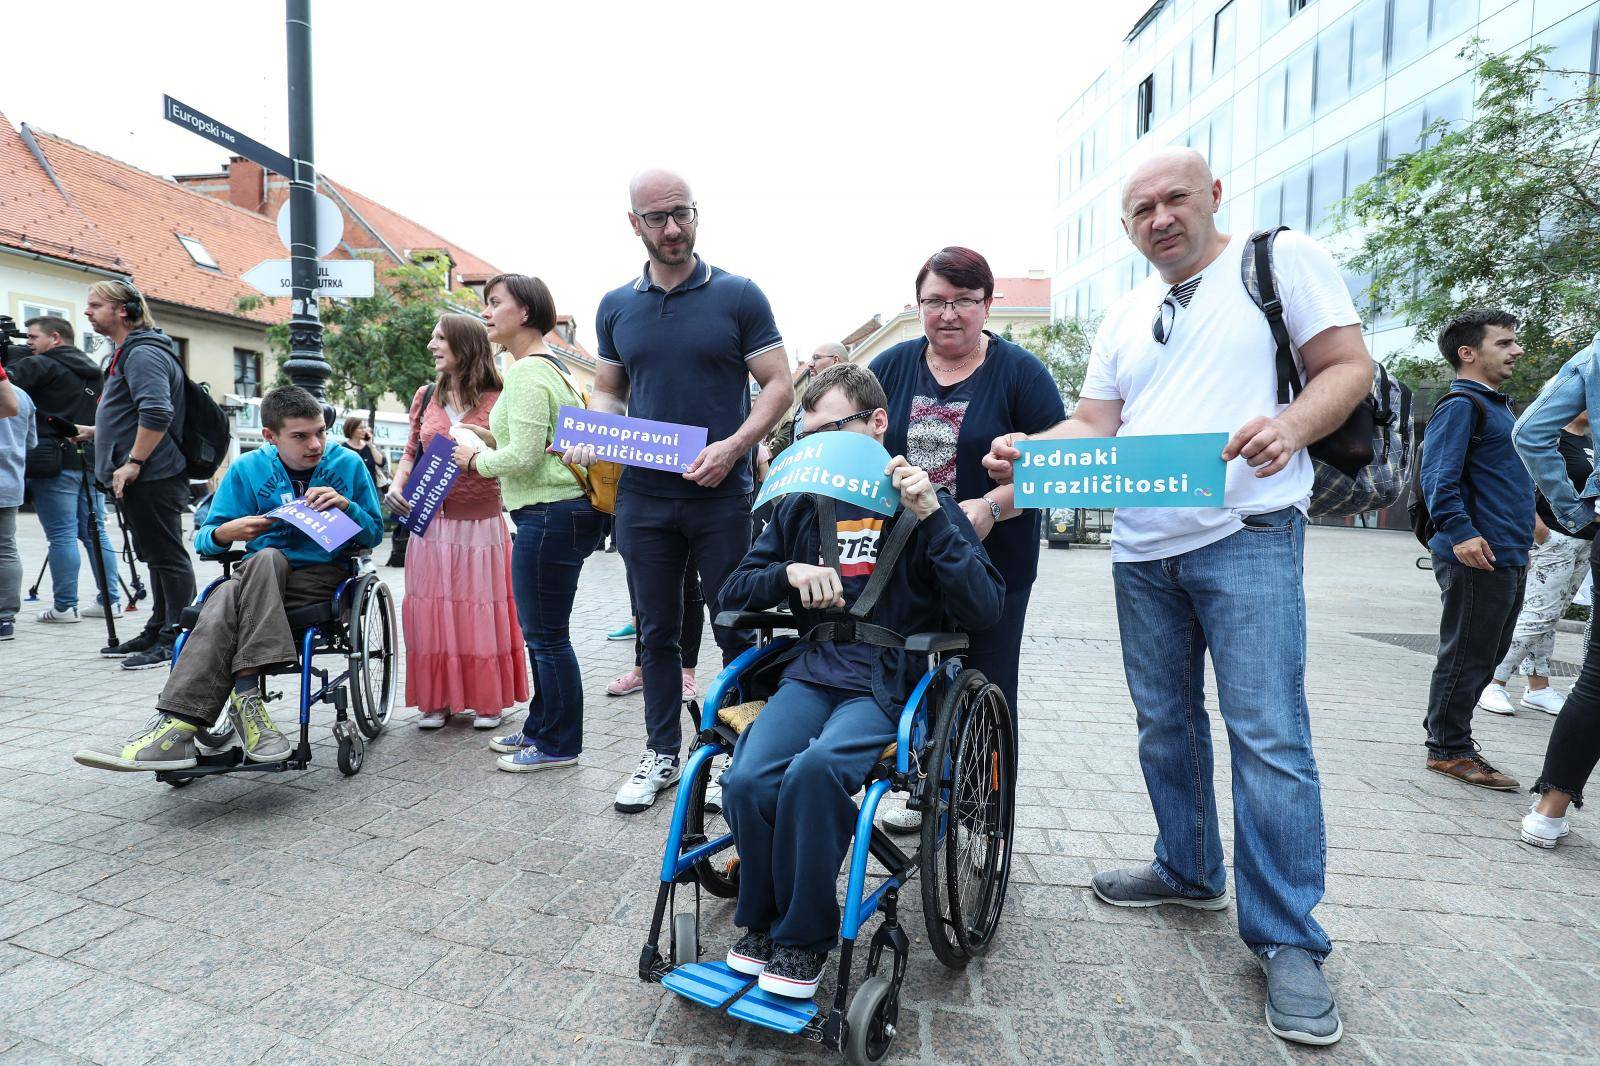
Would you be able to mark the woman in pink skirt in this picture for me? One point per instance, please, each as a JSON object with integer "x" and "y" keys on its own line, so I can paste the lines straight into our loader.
{"x": 464, "y": 648}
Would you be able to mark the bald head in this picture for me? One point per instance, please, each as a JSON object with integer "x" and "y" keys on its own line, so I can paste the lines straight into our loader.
{"x": 1168, "y": 165}
{"x": 1169, "y": 210}
{"x": 654, "y": 184}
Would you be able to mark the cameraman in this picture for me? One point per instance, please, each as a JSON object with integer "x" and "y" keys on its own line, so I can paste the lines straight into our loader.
{"x": 65, "y": 383}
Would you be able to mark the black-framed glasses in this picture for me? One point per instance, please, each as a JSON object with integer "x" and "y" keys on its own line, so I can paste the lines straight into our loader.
{"x": 936, "y": 307}
{"x": 838, "y": 423}
{"x": 1166, "y": 317}
{"x": 683, "y": 216}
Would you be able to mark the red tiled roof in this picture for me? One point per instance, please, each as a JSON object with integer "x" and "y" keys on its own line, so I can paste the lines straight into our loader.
{"x": 406, "y": 236}
{"x": 142, "y": 214}
{"x": 35, "y": 217}
{"x": 1022, "y": 292}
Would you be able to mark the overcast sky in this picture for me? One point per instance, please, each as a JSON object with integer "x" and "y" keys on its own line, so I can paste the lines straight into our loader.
{"x": 831, "y": 146}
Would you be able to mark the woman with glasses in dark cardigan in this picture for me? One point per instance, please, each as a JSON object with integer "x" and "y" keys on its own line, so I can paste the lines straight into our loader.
{"x": 951, "y": 392}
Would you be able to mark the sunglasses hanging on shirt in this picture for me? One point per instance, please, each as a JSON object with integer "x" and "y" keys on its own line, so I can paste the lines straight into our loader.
{"x": 1167, "y": 314}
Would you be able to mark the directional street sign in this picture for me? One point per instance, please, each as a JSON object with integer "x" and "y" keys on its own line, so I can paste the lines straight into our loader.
{"x": 335, "y": 277}
{"x": 330, "y": 225}
{"x": 231, "y": 139}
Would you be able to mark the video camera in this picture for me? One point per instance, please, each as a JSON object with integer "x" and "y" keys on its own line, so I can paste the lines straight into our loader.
{"x": 8, "y": 332}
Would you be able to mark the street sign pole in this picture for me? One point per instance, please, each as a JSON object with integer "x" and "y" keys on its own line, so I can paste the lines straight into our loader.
{"x": 306, "y": 366}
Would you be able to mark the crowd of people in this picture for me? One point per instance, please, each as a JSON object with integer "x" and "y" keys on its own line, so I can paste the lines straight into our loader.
{"x": 491, "y": 584}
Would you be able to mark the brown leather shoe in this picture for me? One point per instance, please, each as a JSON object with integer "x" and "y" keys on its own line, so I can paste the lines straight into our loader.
{"x": 1474, "y": 770}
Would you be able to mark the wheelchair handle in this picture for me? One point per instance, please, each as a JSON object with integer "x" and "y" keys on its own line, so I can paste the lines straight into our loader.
{"x": 935, "y": 643}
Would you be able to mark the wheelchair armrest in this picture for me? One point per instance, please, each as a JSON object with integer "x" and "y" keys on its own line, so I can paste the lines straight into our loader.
{"x": 932, "y": 643}
{"x": 766, "y": 621}
{"x": 226, "y": 558}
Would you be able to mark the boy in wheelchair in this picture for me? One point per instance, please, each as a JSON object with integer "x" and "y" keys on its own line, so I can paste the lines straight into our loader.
{"x": 787, "y": 792}
{"x": 243, "y": 628}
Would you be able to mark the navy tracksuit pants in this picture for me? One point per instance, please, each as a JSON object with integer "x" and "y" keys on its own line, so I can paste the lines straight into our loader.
{"x": 787, "y": 796}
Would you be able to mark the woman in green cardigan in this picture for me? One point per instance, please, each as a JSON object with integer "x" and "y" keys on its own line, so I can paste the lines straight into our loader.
{"x": 556, "y": 528}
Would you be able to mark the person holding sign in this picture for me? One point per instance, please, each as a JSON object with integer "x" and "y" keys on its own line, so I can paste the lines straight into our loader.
{"x": 463, "y": 649}
{"x": 677, "y": 344}
{"x": 556, "y": 528}
{"x": 787, "y": 791}
{"x": 1188, "y": 351}
{"x": 243, "y": 628}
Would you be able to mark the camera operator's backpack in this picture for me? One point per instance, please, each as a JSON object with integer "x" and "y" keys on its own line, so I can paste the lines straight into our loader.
{"x": 1364, "y": 464}
{"x": 1421, "y": 521}
{"x": 206, "y": 435}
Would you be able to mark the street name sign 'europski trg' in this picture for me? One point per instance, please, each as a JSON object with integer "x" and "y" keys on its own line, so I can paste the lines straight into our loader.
{"x": 198, "y": 122}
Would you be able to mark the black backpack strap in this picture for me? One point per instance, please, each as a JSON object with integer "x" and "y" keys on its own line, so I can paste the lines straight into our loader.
{"x": 1263, "y": 288}
{"x": 1479, "y": 412}
{"x": 828, "y": 531}
{"x": 889, "y": 554}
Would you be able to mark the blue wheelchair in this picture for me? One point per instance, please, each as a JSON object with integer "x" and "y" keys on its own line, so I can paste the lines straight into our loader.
{"x": 357, "y": 625}
{"x": 954, "y": 758}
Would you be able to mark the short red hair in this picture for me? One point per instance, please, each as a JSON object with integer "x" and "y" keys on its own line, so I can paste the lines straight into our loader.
{"x": 961, "y": 267}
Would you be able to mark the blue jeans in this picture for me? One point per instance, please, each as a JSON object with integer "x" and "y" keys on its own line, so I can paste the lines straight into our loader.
{"x": 1241, "y": 599}
{"x": 553, "y": 540}
{"x": 65, "y": 518}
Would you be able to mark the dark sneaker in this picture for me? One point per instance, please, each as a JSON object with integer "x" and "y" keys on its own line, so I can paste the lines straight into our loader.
{"x": 263, "y": 742}
{"x": 1475, "y": 770}
{"x": 1139, "y": 886}
{"x": 8, "y": 631}
{"x": 793, "y": 972}
{"x": 159, "y": 655}
{"x": 165, "y": 744}
{"x": 1300, "y": 1005}
{"x": 750, "y": 953}
{"x": 142, "y": 642}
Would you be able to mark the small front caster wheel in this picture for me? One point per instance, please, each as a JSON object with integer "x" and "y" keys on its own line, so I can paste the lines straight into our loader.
{"x": 870, "y": 1023}
{"x": 351, "y": 753}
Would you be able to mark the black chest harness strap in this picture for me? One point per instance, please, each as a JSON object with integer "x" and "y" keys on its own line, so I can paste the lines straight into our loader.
{"x": 851, "y": 626}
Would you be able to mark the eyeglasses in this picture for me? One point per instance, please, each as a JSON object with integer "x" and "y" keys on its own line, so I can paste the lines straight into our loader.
{"x": 837, "y": 423}
{"x": 936, "y": 307}
{"x": 1166, "y": 317}
{"x": 657, "y": 219}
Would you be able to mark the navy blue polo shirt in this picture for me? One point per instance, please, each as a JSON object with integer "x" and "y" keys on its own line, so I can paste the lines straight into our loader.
{"x": 685, "y": 353}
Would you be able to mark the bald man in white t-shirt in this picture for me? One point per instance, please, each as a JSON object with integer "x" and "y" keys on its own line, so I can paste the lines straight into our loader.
{"x": 1188, "y": 351}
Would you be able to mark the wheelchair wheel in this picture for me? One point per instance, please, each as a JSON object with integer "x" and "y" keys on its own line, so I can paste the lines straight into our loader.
{"x": 719, "y": 874}
{"x": 352, "y": 753}
{"x": 966, "y": 832}
{"x": 372, "y": 655}
{"x": 870, "y": 1023}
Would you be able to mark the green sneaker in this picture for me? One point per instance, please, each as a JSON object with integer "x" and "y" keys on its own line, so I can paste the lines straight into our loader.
{"x": 262, "y": 741}
{"x": 165, "y": 744}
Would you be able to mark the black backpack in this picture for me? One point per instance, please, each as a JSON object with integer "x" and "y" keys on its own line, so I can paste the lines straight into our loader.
{"x": 1421, "y": 521}
{"x": 1363, "y": 465}
{"x": 205, "y": 436}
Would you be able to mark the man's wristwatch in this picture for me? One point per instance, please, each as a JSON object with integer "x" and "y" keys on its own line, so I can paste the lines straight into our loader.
{"x": 994, "y": 508}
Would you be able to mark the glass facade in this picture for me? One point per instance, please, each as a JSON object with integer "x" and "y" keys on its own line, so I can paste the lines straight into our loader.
{"x": 1294, "y": 102}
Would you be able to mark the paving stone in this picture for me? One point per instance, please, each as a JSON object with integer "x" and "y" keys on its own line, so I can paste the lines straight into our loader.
{"x": 1043, "y": 1037}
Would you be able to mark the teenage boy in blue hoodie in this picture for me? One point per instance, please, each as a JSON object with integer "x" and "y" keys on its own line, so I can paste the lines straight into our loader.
{"x": 787, "y": 791}
{"x": 243, "y": 628}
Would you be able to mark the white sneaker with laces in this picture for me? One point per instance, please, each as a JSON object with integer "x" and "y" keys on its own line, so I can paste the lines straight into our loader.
{"x": 902, "y": 820}
{"x": 1542, "y": 831}
{"x": 58, "y": 615}
{"x": 433, "y": 719}
{"x": 656, "y": 771}
{"x": 486, "y": 721}
{"x": 1545, "y": 699}
{"x": 1494, "y": 699}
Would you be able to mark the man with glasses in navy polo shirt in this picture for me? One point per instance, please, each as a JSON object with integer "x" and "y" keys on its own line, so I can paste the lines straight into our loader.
{"x": 678, "y": 344}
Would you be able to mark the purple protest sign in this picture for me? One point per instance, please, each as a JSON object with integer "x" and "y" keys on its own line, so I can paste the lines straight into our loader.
{"x": 431, "y": 480}
{"x": 328, "y": 529}
{"x": 630, "y": 441}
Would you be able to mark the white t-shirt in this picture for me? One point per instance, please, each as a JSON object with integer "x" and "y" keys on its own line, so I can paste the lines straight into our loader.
{"x": 1214, "y": 374}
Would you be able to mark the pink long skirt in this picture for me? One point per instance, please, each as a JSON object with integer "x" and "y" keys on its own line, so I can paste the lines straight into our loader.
{"x": 464, "y": 650}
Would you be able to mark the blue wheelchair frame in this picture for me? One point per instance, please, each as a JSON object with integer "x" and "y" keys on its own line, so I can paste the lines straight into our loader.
{"x": 332, "y": 689}
{"x": 713, "y": 984}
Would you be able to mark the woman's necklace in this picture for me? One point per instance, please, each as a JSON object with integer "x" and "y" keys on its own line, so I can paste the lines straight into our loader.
{"x": 976, "y": 348}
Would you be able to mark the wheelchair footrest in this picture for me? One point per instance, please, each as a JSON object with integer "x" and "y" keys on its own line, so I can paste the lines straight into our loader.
{"x": 714, "y": 985}
{"x": 711, "y": 984}
{"x": 782, "y": 1013}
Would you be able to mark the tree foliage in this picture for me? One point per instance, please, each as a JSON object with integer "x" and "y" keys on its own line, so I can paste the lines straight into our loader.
{"x": 1063, "y": 347}
{"x": 379, "y": 345}
{"x": 1503, "y": 211}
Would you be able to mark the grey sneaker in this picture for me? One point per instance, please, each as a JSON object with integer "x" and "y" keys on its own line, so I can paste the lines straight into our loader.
{"x": 1300, "y": 1005}
{"x": 262, "y": 741}
{"x": 165, "y": 744}
{"x": 1138, "y": 886}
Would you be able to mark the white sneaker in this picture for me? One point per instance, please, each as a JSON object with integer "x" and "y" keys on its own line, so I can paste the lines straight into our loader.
{"x": 902, "y": 820}
{"x": 1494, "y": 699}
{"x": 433, "y": 719}
{"x": 58, "y": 615}
{"x": 1545, "y": 699}
{"x": 656, "y": 772}
{"x": 94, "y": 610}
{"x": 486, "y": 721}
{"x": 1542, "y": 831}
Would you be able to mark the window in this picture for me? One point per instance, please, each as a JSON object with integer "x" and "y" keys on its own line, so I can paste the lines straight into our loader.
{"x": 1408, "y": 31}
{"x": 1221, "y": 157}
{"x": 1301, "y": 70}
{"x": 1296, "y": 198}
{"x": 182, "y": 344}
{"x": 1327, "y": 187}
{"x": 197, "y": 252}
{"x": 1269, "y": 204}
{"x": 1276, "y": 13}
{"x": 1365, "y": 148}
{"x": 1572, "y": 48}
{"x": 1272, "y": 91}
{"x": 1401, "y": 132}
{"x": 1223, "y": 35}
{"x": 1451, "y": 103}
{"x": 246, "y": 373}
{"x": 1144, "y": 108}
{"x": 1333, "y": 66}
{"x": 1366, "y": 45}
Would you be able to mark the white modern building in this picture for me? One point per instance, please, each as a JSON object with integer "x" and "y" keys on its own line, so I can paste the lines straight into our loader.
{"x": 1295, "y": 103}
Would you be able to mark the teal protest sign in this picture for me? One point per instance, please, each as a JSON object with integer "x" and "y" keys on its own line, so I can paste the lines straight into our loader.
{"x": 1173, "y": 470}
{"x": 846, "y": 466}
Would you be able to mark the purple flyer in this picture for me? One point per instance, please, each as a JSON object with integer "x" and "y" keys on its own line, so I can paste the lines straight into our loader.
{"x": 329, "y": 529}
{"x": 630, "y": 441}
{"x": 431, "y": 480}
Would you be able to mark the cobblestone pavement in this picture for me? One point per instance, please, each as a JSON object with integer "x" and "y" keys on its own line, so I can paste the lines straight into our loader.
{"x": 432, "y": 910}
